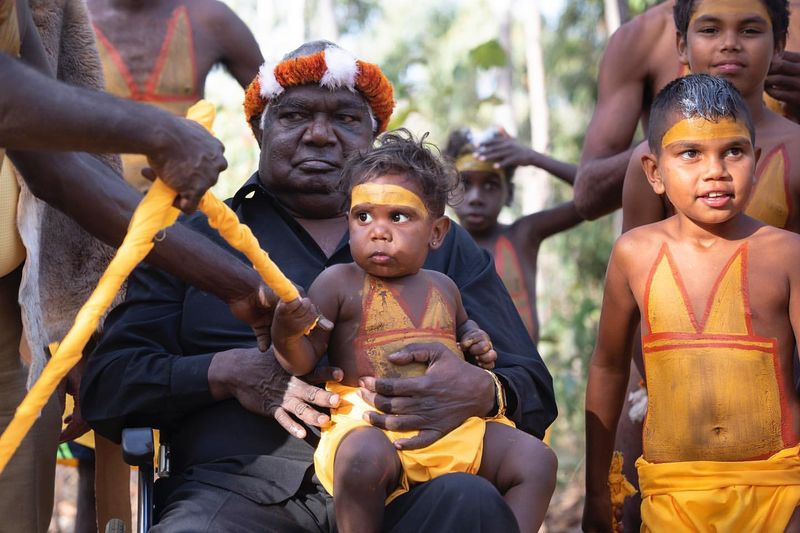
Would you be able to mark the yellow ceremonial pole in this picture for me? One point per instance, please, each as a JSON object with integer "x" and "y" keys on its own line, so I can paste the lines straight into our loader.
{"x": 153, "y": 214}
{"x": 238, "y": 235}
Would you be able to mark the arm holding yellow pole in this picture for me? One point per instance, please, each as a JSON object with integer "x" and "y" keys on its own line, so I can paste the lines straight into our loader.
{"x": 153, "y": 214}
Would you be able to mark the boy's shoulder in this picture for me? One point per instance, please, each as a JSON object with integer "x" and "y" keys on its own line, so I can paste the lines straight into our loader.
{"x": 636, "y": 249}
{"x": 638, "y": 240}
{"x": 771, "y": 239}
{"x": 779, "y": 131}
{"x": 626, "y": 44}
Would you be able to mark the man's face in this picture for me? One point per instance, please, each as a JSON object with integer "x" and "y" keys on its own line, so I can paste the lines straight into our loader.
{"x": 732, "y": 39}
{"x": 308, "y": 133}
{"x": 705, "y": 168}
{"x": 485, "y": 194}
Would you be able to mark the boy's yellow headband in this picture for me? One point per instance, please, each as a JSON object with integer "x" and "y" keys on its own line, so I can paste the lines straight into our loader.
{"x": 386, "y": 194}
{"x": 699, "y": 129}
{"x": 467, "y": 162}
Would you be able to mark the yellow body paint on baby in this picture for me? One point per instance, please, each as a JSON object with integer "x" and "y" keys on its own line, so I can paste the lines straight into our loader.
{"x": 731, "y": 7}
{"x": 699, "y": 129}
{"x": 386, "y": 194}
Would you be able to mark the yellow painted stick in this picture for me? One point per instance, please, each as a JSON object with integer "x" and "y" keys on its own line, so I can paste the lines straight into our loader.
{"x": 223, "y": 219}
{"x": 153, "y": 214}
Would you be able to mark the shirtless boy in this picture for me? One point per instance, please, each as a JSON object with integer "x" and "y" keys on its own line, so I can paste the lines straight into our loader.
{"x": 379, "y": 304}
{"x": 738, "y": 45}
{"x": 486, "y": 170}
{"x": 632, "y": 71}
{"x": 719, "y": 300}
{"x": 161, "y": 51}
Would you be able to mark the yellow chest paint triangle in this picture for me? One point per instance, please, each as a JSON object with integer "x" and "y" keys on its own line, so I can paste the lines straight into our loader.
{"x": 382, "y": 311}
{"x": 177, "y": 76}
{"x": 769, "y": 201}
{"x": 172, "y": 84}
{"x": 118, "y": 82}
{"x": 727, "y": 310}
{"x": 388, "y": 325}
{"x": 438, "y": 315}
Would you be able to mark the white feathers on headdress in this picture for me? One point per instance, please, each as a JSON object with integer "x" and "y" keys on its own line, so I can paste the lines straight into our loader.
{"x": 342, "y": 69}
{"x": 270, "y": 88}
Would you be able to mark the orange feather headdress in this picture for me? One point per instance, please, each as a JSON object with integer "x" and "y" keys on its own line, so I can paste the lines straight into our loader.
{"x": 333, "y": 68}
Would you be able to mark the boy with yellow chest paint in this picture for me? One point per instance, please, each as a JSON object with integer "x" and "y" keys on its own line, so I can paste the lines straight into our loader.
{"x": 736, "y": 40}
{"x": 385, "y": 301}
{"x": 718, "y": 295}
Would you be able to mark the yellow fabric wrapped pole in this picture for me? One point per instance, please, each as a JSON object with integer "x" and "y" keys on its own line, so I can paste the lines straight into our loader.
{"x": 153, "y": 214}
{"x": 238, "y": 235}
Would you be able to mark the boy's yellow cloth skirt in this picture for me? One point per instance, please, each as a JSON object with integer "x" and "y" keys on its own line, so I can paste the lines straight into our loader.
{"x": 458, "y": 451}
{"x": 720, "y": 496}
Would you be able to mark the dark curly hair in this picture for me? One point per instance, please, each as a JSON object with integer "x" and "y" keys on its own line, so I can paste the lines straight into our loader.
{"x": 398, "y": 152}
{"x": 696, "y": 95}
{"x": 778, "y": 14}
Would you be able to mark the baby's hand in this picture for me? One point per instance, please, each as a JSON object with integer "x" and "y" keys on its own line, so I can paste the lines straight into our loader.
{"x": 476, "y": 343}
{"x": 294, "y": 319}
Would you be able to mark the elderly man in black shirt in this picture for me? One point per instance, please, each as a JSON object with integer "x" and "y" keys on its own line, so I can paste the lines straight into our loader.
{"x": 174, "y": 357}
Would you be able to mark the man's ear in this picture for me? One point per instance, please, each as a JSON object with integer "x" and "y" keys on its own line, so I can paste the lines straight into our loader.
{"x": 650, "y": 166}
{"x": 680, "y": 42}
{"x": 440, "y": 228}
{"x": 255, "y": 127}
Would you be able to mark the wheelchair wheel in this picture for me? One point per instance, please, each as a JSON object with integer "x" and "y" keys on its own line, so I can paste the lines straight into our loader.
{"x": 115, "y": 525}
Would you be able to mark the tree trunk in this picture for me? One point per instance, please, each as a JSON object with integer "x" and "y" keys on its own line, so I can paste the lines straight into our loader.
{"x": 504, "y": 113}
{"x": 613, "y": 15}
{"x": 624, "y": 11}
{"x": 535, "y": 183}
{"x": 326, "y": 21}
{"x": 296, "y": 21}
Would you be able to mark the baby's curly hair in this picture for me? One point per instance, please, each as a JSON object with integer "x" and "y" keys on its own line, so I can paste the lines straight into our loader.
{"x": 398, "y": 152}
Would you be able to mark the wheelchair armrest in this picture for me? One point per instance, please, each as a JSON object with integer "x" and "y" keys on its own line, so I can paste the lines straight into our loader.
{"x": 137, "y": 446}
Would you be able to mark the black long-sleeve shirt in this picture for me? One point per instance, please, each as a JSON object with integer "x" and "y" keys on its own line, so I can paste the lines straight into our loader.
{"x": 151, "y": 366}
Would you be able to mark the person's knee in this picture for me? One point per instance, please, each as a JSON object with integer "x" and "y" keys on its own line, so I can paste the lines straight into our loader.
{"x": 365, "y": 457}
{"x": 540, "y": 462}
